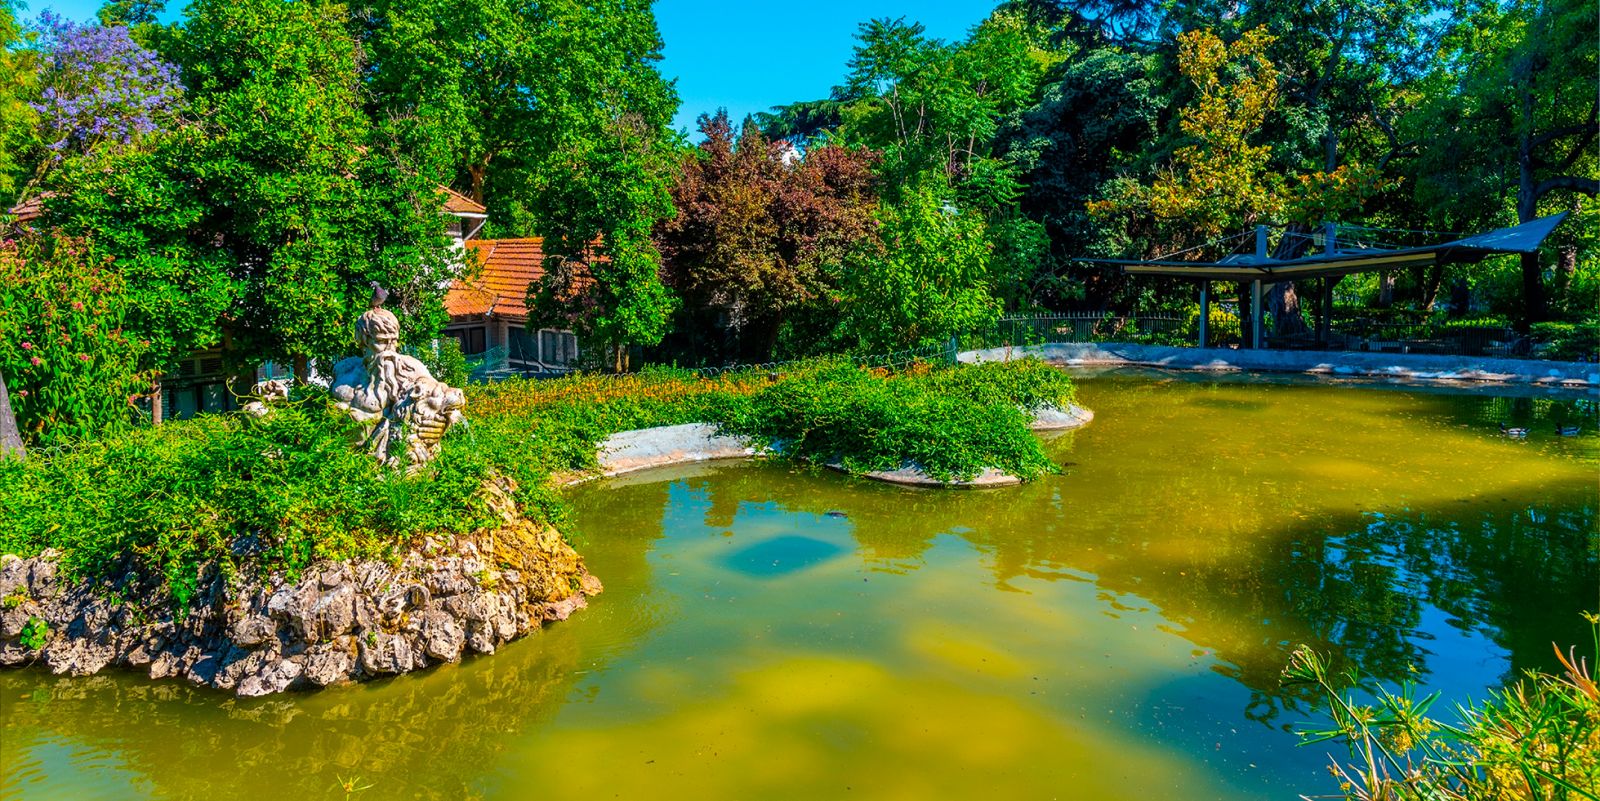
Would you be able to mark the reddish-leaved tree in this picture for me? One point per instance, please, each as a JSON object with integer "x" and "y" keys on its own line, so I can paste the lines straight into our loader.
{"x": 761, "y": 231}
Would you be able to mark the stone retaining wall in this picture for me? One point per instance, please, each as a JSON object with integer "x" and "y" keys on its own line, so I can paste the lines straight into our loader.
{"x": 337, "y": 622}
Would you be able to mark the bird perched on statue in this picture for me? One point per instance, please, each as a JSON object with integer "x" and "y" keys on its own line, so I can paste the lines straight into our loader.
{"x": 379, "y": 295}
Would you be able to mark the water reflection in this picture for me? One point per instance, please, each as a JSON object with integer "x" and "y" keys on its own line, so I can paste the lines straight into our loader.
{"x": 774, "y": 631}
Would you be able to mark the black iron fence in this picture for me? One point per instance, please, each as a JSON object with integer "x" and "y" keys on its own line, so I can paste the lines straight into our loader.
{"x": 1035, "y": 329}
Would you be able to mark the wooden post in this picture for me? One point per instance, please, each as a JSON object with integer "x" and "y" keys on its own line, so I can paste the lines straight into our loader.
{"x": 1255, "y": 292}
{"x": 1205, "y": 309}
{"x": 1255, "y": 313}
{"x": 155, "y": 402}
{"x": 1325, "y": 325}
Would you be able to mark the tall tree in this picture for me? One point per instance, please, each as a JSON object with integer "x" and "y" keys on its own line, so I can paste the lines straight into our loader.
{"x": 580, "y": 154}
{"x": 309, "y": 199}
{"x": 1224, "y": 177}
{"x": 17, "y": 118}
{"x": 1095, "y": 116}
{"x": 928, "y": 282}
{"x": 1514, "y": 117}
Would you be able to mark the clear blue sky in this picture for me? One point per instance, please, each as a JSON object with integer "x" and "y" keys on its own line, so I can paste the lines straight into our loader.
{"x": 743, "y": 55}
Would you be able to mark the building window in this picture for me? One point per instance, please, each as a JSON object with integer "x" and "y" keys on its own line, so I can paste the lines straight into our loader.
{"x": 522, "y": 348}
{"x": 471, "y": 339}
{"x": 558, "y": 348}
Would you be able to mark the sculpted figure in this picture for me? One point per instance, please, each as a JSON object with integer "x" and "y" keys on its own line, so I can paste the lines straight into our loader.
{"x": 404, "y": 407}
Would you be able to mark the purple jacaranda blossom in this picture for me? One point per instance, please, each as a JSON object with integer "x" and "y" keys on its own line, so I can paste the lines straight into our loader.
{"x": 99, "y": 85}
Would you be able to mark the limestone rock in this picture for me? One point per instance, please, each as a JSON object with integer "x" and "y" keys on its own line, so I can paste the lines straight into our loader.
{"x": 335, "y": 623}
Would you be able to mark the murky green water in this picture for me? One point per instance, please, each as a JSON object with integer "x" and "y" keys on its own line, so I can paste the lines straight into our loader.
{"x": 1114, "y": 632}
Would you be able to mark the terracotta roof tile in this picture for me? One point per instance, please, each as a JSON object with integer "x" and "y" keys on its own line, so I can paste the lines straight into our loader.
{"x": 506, "y": 268}
{"x": 30, "y": 209}
{"x": 457, "y": 203}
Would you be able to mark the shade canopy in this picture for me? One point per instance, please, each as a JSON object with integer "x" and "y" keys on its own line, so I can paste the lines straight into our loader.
{"x": 1524, "y": 238}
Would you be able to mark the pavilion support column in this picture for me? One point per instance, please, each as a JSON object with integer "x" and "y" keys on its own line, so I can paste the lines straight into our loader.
{"x": 1205, "y": 309}
{"x": 1255, "y": 313}
{"x": 1325, "y": 304}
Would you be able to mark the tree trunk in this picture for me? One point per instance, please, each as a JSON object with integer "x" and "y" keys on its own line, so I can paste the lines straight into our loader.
{"x": 155, "y": 402}
{"x": 1460, "y": 298}
{"x": 1385, "y": 290}
{"x": 477, "y": 172}
{"x": 302, "y": 370}
{"x": 10, "y": 437}
{"x": 1566, "y": 266}
{"x": 1432, "y": 278}
{"x": 1527, "y": 208}
{"x": 1283, "y": 303}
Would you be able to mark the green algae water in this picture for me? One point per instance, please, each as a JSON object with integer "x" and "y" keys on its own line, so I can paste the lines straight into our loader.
{"x": 1114, "y": 632}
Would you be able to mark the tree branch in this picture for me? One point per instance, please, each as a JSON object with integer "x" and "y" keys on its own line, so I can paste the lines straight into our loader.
{"x": 1587, "y": 127}
{"x": 1587, "y": 186}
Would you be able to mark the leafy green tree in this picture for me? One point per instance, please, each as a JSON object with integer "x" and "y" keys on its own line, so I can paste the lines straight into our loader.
{"x": 1511, "y": 120}
{"x": 581, "y": 154}
{"x": 933, "y": 107}
{"x": 1224, "y": 177}
{"x": 928, "y": 282}
{"x": 309, "y": 199}
{"x": 1097, "y": 114}
{"x": 18, "y": 132}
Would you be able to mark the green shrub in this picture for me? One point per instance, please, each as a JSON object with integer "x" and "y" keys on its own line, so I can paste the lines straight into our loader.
{"x": 444, "y": 359}
{"x": 953, "y": 423}
{"x": 1537, "y": 739}
{"x": 68, "y": 366}
{"x": 1570, "y": 342}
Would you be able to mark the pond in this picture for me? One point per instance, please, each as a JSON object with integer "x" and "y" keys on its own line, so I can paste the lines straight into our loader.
{"x": 1114, "y": 632}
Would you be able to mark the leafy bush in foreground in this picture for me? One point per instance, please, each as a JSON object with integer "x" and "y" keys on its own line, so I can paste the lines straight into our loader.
{"x": 1537, "y": 739}
{"x": 279, "y": 492}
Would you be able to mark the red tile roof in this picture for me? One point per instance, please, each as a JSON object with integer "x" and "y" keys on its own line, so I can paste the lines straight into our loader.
{"x": 457, "y": 203}
{"x": 506, "y": 268}
{"x": 30, "y": 209}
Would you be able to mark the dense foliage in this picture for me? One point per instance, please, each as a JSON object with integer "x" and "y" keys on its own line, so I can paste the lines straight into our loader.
{"x": 281, "y": 491}
{"x": 578, "y": 153}
{"x": 70, "y": 368}
{"x": 1093, "y": 128}
{"x": 761, "y": 234}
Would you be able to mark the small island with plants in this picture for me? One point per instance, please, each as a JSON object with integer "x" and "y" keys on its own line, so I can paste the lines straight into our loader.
{"x": 264, "y": 550}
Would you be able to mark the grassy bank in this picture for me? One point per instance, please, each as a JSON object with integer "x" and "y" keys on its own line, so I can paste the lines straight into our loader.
{"x": 280, "y": 492}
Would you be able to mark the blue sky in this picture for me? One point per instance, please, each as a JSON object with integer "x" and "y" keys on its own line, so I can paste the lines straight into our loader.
{"x": 745, "y": 56}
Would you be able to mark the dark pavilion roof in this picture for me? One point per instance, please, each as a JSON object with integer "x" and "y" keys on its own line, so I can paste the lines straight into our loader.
{"x": 1524, "y": 238}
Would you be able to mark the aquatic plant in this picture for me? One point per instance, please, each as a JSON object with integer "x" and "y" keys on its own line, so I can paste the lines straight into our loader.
{"x": 1538, "y": 738}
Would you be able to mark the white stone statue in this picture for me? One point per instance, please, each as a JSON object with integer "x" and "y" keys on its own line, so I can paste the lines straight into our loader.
{"x": 404, "y": 407}
{"x": 264, "y": 394}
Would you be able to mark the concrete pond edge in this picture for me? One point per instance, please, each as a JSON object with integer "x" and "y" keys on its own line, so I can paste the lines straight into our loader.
{"x": 1403, "y": 366}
